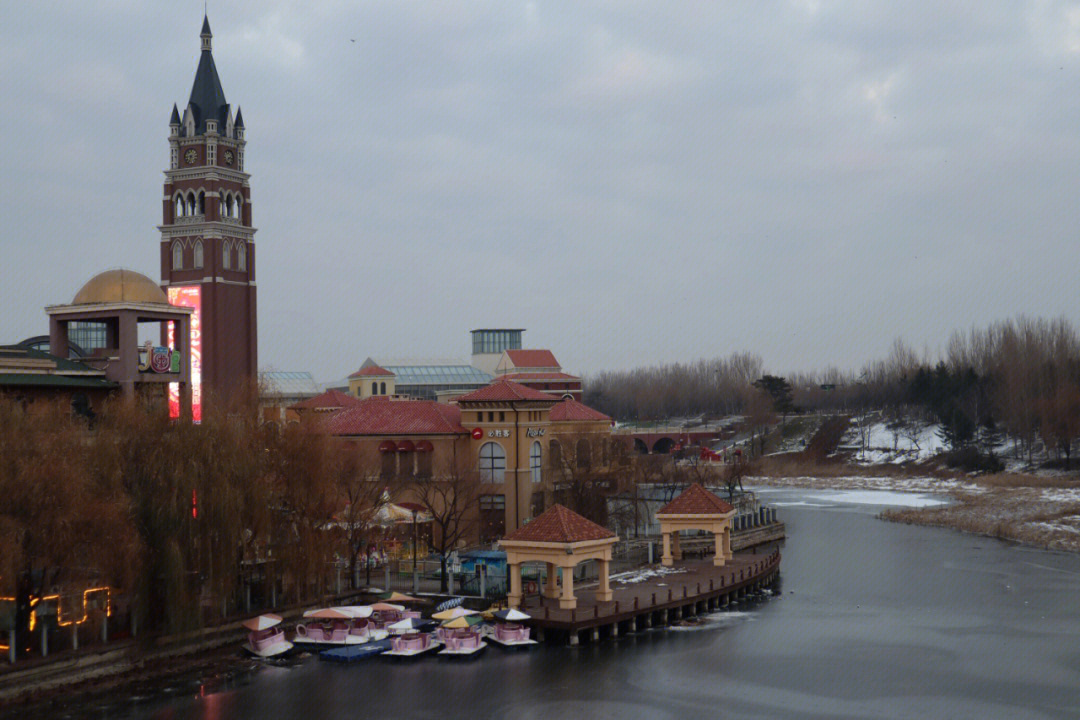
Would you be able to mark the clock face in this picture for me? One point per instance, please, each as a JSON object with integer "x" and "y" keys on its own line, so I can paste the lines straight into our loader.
{"x": 191, "y": 156}
{"x": 228, "y": 157}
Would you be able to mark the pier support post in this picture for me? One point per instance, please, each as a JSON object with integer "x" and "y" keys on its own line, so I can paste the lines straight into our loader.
{"x": 513, "y": 597}
{"x": 567, "y": 601}
{"x": 574, "y": 640}
{"x": 615, "y": 629}
{"x": 551, "y": 582}
{"x": 648, "y": 620}
{"x": 603, "y": 593}
{"x": 663, "y": 617}
{"x": 595, "y": 634}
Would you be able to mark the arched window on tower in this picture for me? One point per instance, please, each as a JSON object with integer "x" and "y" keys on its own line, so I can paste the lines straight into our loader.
{"x": 226, "y": 255}
{"x": 382, "y": 388}
{"x": 198, "y": 254}
{"x": 202, "y": 203}
{"x": 177, "y": 256}
{"x": 241, "y": 256}
{"x": 374, "y": 388}
{"x": 191, "y": 203}
{"x": 178, "y": 206}
{"x": 228, "y": 205}
{"x": 536, "y": 462}
{"x": 239, "y": 206}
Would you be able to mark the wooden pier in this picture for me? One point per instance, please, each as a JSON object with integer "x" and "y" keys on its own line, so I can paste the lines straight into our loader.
{"x": 699, "y": 588}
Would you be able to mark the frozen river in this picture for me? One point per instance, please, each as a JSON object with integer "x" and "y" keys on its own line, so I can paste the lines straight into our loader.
{"x": 873, "y": 620}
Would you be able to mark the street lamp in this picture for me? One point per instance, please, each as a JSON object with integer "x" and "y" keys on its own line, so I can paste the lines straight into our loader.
{"x": 415, "y": 578}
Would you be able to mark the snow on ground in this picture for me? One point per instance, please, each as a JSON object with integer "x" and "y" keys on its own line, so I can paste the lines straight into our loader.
{"x": 1059, "y": 526}
{"x": 878, "y": 443}
{"x": 858, "y": 482}
{"x": 636, "y": 576}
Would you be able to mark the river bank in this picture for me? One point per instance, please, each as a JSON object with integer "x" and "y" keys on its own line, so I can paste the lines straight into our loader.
{"x": 1040, "y": 511}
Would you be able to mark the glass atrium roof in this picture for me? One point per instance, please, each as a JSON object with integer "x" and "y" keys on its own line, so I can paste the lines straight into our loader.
{"x": 438, "y": 375}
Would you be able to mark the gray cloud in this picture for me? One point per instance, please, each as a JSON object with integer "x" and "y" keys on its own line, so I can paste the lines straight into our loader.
{"x": 633, "y": 182}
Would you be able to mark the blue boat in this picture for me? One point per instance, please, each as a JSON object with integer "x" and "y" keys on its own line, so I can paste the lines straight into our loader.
{"x": 352, "y": 653}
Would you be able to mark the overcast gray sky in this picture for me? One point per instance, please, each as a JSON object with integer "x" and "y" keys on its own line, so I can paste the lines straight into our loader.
{"x": 632, "y": 182}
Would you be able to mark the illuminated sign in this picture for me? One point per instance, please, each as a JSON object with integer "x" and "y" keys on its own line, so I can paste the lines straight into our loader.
{"x": 158, "y": 359}
{"x": 188, "y": 296}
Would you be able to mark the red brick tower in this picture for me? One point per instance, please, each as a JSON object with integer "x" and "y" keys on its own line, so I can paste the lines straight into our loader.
{"x": 207, "y": 241}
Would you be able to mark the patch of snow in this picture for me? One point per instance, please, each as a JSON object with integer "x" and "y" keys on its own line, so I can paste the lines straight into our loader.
{"x": 884, "y": 497}
{"x": 1054, "y": 527}
{"x": 636, "y": 576}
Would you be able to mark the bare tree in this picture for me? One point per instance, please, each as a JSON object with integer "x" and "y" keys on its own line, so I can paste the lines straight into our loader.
{"x": 451, "y": 497}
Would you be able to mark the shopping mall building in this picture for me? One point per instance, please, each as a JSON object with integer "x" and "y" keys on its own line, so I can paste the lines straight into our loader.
{"x": 506, "y": 448}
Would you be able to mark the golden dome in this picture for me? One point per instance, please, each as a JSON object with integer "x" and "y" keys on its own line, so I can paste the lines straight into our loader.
{"x": 120, "y": 286}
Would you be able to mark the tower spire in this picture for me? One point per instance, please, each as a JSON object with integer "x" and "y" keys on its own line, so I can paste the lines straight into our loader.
{"x": 206, "y": 35}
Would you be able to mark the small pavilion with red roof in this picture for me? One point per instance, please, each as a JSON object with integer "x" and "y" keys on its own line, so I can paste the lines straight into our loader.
{"x": 559, "y": 538}
{"x": 696, "y": 509}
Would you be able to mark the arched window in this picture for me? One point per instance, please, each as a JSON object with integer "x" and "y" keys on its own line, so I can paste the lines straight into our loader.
{"x": 179, "y": 203}
{"x": 226, "y": 255}
{"x": 554, "y": 455}
{"x": 492, "y": 463}
{"x": 198, "y": 254}
{"x": 202, "y": 203}
{"x": 228, "y": 205}
{"x": 374, "y": 388}
{"x": 177, "y": 256}
{"x": 191, "y": 203}
{"x": 241, "y": 256}
{"x": 382, "y": 388}
{"x": 583, "y": 459}
{"x": 239, "y": 206}
{"x": 536, "y": 457}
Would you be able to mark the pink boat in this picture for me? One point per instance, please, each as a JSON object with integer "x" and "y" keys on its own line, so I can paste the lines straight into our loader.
{"x": 410, "y": 644}
{"x": 266, "y": 638}
{"x": 465, "y": 641}
{"x": 511, "y": 633}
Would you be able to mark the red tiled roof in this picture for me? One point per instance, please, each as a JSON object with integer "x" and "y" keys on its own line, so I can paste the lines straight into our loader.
{"x": 560, "y": 524}
{"x": 532, "y": 358}
{"x": 505, "y": 390}
{"x": 519, "y": 376}
{"x": 371, "y": 370}
{"x": 570, "y": 409}
{"x": 695, "y": 500}
{"x": 382, "y": 416}
{"x": 329, "y": 400}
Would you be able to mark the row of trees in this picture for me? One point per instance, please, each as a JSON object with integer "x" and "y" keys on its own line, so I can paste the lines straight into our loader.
{"x": 1017, "y": 377}
{"x": 183, "y": 517}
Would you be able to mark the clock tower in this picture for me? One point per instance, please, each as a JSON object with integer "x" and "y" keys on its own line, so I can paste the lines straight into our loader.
{"x": 207, "y": 241}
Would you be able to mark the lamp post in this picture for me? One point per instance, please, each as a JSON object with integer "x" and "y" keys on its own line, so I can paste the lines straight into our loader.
{"x": 415, "y": 577}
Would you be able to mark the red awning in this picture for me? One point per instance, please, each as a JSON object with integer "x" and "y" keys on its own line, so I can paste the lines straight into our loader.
{"x": 424, "y": 446}
{"x": 405, "y": 446}
{"x": 387, "y": 446}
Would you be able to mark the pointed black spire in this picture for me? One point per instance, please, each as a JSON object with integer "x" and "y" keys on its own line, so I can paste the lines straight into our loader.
{"x": 206, "y": 26}
{"x": 207, "y": 100}
{"x": 239, "y": 118}
{"x": 175, "y": 119}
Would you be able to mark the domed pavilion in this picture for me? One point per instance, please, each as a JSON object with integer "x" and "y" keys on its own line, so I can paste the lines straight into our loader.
{"x": 119, "y": 301}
